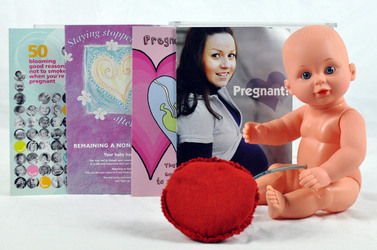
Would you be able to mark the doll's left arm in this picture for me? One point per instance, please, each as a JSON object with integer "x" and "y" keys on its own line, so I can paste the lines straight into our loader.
{"x": 353, "y": 147}
{"x": 346, "y": 160}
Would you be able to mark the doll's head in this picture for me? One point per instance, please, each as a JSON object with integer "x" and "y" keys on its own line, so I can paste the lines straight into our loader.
{"x": 317, "y": 66}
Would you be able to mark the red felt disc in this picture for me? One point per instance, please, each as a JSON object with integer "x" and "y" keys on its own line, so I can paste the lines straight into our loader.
{"x": 210, "y": 200}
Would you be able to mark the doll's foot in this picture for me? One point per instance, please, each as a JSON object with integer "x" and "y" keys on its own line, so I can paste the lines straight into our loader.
{"x": 275, "y": 202}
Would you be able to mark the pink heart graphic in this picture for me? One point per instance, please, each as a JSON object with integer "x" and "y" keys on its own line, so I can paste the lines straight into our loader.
{"x": 269, "y": 92}
{"x": 148, "y": 140}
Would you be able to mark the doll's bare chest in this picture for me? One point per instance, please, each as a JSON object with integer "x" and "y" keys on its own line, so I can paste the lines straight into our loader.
{"x": 321, "y": 127}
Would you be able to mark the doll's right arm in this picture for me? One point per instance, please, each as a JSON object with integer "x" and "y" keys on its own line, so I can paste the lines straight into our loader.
{"x": 275, "y": 132}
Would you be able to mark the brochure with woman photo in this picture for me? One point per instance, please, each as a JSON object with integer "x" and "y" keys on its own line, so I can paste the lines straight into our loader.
{"x": 227, "y": 76}
{"x": 38, "y": 159}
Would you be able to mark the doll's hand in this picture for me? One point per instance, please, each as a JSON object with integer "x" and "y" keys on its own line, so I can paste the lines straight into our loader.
{"x": 252, "y": 131}
{"x": 314, "y": 178}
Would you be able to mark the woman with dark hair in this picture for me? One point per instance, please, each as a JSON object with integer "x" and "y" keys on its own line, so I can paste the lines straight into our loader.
{"x": 208, "y": 123}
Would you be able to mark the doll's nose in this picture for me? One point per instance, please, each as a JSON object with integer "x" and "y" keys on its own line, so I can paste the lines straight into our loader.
{"x": 320, "y": 79}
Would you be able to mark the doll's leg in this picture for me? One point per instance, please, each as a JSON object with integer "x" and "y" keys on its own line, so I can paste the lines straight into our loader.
{"x": 345, "y": 193}
{"x": 277, "y": 180}
{"x": 303, "y": 203}
{"x": 300, "y": 203}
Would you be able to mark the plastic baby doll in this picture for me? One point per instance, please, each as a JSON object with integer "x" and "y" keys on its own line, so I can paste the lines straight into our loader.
{"x": 333, "y": 143}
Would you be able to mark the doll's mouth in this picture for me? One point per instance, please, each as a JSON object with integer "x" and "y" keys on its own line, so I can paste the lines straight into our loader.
{"x": 323, "y": 93}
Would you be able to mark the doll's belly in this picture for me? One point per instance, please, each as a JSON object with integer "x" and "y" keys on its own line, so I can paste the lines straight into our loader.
{"x": 313, "y": 152}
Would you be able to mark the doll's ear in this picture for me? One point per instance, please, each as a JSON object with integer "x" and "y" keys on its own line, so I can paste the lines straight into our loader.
{"x": 353, "y": 71}
{"x": 288, "y": 87}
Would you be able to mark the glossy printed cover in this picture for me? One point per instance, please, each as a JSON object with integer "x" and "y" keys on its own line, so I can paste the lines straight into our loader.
{"x": 257, "y": 85}
{"x": 99, "y": 90}
{"x": 38, "y": 160}
{"x": 154, "y": 109}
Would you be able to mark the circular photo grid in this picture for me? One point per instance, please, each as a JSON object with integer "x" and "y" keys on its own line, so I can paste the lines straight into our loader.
{"x": 39, "y": 137}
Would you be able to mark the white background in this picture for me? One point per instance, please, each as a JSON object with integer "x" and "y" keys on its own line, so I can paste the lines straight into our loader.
{"x": 105, "y": 222}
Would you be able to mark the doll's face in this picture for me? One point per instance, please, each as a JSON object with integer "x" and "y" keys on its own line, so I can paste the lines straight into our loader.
{"x": 219, "y": 58}
{"x": 318, "y": 70}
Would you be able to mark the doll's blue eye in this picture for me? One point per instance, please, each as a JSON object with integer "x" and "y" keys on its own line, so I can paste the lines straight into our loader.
{"x": 329, "y": 70}
{"x": 306, "y": 75}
